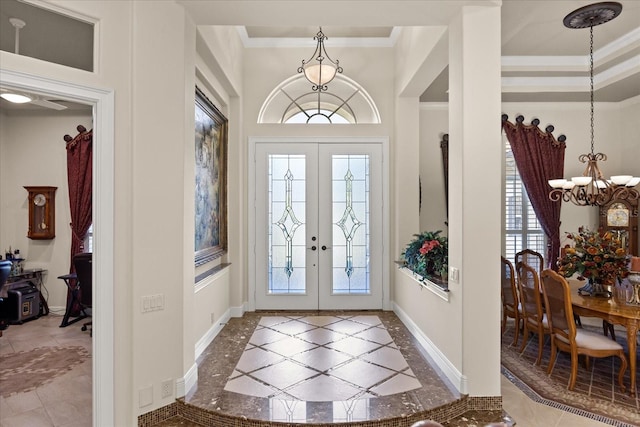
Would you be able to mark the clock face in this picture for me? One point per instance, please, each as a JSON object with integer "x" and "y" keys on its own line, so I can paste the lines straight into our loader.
{"x": 618, "y": 215}
{"x": 39, "y": 200}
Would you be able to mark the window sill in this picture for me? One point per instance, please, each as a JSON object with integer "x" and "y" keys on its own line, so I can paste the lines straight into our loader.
{"x": 434, "y": 286}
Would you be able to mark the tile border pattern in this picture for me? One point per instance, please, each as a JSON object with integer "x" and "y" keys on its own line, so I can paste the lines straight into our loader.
{"x": 531, "y": 394}
{"x": 158, "y": 415}
{"x": 595, "y": 397}
{"x": 216, "y": 419}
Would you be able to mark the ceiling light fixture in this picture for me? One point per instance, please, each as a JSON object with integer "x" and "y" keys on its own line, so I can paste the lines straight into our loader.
{"x": 320, "y": 69}
{"x": 16, "y": 98}
{"x": 591, "y": 189}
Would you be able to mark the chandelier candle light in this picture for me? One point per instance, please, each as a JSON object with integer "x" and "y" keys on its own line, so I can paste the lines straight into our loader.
{"x": 591, "y": 189}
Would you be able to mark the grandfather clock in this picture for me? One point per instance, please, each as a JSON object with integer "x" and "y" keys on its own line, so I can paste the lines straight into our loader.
{"x": 621, "y": 218}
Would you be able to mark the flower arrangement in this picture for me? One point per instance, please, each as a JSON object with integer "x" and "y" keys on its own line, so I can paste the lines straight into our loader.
{"x": 428, "y": 254}
{"x": 596, "y": 256}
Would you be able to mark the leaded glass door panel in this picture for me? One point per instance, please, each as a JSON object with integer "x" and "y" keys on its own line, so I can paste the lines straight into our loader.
{"x": 318, "y": 226}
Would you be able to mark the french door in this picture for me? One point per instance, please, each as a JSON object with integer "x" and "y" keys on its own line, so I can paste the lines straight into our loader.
{"x": 318, "y": 226}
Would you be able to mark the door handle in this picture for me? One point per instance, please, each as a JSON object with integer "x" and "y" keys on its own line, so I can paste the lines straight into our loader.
{"x": 324, "y": 248}
{"x": 313, "y": 248}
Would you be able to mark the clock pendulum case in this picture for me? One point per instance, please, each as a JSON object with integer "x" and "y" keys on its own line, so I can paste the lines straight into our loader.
{"x": 42, "y": 213}
{"x": 621, "y": 218}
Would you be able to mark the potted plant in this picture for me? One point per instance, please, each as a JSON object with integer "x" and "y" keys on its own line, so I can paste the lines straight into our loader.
{"x": 427, "y": 255}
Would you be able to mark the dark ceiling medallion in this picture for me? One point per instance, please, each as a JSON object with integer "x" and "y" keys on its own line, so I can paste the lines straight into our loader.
{"x": 592, "y": 15}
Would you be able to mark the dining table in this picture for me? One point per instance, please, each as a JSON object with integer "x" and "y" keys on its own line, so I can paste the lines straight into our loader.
{"x": 613, "y": 311}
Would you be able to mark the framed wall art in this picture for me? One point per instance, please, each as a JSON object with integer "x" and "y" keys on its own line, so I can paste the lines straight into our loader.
{"x": 210, "y": 181}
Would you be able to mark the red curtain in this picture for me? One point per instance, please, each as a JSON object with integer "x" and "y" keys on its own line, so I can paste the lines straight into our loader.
{"x": 539, "y": 158}
{"x": 79, "y": 178}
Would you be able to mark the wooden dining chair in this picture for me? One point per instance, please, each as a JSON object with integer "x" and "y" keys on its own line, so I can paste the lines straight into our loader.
{"x": 510, "y": 301}
{"x": 531, "y": 258}
{"x": 533, "y": 315}
{"x": 567, "y": 337}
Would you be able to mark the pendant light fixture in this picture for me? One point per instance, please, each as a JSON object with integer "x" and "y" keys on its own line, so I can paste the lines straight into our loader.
{"x": 591, "y": 189}
{"x": 320, "y": 69}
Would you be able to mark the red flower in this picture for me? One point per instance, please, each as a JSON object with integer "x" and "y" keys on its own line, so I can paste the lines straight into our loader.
{"x": 428, "y": 246}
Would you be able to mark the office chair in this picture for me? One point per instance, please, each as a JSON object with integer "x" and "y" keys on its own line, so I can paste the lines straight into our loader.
{"x": 5, "y": 271}
{"x": 83, "y": 264}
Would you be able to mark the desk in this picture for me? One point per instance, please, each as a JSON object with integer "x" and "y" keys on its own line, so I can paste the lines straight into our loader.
{"x": 34, "y": 274}
{"x": 607, "y": 309}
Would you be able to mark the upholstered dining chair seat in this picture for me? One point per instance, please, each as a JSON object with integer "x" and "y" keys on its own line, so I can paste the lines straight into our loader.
{"x": 565, "y": 336}
{"x": 591, "y": 340}
{"x": 545, "y": 322}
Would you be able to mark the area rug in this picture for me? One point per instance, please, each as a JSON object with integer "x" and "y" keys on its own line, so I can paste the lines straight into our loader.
{"x": 25, "y": 370}
{"x": 596, "y": 394}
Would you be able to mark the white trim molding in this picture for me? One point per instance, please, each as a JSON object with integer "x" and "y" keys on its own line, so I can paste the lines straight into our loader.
{"x": 186, "y": 383}
{"x": 103, "y": 219}
{"x": 451, "y": 372}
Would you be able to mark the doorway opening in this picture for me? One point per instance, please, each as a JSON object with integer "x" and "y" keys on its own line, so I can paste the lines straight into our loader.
{"x": 103, "y": 222}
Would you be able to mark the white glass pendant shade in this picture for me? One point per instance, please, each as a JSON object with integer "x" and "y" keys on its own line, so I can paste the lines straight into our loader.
{"x": 621, "y": 179}
{"x": 557, "y": 183}
{"x": 319, "y": 74}
{"x": 633, "y": 182}
{"x": 581, "y": 180}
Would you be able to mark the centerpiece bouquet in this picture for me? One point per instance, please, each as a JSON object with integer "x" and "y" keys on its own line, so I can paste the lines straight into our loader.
{"x": 597, "y": 257}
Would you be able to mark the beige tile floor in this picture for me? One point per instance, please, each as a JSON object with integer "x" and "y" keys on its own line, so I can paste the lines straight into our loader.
{"x": 66, "y": 401}
{"x": 528, "y": 413}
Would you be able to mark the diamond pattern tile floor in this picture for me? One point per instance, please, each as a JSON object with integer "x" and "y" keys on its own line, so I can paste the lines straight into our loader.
{"x": 321, "y": 358}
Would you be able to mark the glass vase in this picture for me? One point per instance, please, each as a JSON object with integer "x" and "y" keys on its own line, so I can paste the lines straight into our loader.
{"x": 594, "y": 288}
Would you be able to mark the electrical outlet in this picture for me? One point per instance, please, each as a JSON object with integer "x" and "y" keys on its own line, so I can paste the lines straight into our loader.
{"x": 145, "y": 396}
{"x": 166, "y": 388}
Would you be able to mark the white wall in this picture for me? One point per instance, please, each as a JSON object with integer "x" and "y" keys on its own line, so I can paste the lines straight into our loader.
{"x": 615, "y": 130}
{"x": 33, "y": 153}
{"x": 629, "y": 138}
{"x": 433, "y": 125}
{"x": 151, "y": 211}
{"x": 572, "y": 120}
{"x": 358, "y": 64}
{"x": 282, "y": 64}
{"x": 458, "y": 327}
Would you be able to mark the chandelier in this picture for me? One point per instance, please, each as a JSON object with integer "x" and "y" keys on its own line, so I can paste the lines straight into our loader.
{"x": 320, "y": 69}
{"x": 591, "y": 189}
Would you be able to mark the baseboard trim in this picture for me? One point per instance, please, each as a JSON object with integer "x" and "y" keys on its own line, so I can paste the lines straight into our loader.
{"x": 186, "y": 383}
{"x": 450, "y": 371}
{"x": 213, "y": 331}
{"x": 190, "y": 379}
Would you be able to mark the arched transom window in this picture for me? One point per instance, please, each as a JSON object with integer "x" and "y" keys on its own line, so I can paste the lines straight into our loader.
{"x": 293, "y": 101}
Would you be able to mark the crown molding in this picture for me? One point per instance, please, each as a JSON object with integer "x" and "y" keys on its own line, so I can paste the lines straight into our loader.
{"x": 309, "y": 42}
